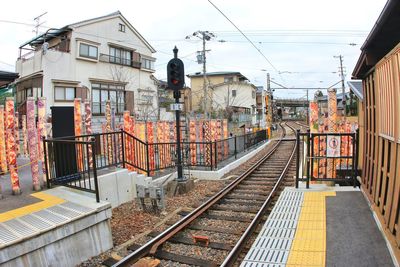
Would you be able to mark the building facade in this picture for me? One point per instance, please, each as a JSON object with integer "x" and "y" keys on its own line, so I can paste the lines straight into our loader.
{"x": 228, "y": 92}
{"x": 99, "y": 59}
{"x": 379, "y": 69}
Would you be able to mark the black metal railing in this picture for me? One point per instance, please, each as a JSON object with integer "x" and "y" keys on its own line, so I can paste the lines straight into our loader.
{"x": 328, "y": 157}
{"x": 120, "y": 61}
{"x": 73, "y": 161}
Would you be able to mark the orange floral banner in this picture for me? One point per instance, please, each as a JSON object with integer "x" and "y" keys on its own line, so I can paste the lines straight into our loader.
{"x": 3, "y": 158}
{"x": 11, "y": 145}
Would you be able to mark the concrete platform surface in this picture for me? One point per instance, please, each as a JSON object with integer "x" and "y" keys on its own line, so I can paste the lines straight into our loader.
{"x": 321, "y": 226}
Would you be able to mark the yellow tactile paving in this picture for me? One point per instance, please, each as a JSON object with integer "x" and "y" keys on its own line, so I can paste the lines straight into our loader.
{"x": 309, "y": 244}
{"x": 47, "y": 201}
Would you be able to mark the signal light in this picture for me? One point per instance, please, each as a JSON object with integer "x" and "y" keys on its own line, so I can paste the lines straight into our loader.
{"x": 176, "y": 74}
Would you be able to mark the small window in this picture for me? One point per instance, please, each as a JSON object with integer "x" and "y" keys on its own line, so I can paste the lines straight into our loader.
{"x": 234, "y": 93}
{"x": 121, "y": 27}
{"x": 62, "y": 93}
{"x": 253, "y": 94}
{"x": 228, "y": 79}
{"x": 88, "y": 51}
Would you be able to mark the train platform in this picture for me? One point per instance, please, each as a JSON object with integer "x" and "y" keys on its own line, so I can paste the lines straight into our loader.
{"x": 320, "y": 226}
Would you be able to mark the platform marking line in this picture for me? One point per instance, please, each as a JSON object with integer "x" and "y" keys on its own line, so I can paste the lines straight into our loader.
{"x": 47, "y": 201}
{"x": 309, "y": 244}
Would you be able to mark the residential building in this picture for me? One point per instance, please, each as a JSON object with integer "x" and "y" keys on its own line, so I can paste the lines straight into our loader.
{"x": 228, "y": 92}
{"x": 99, "y": 59}
{"x": 379, "y": 69}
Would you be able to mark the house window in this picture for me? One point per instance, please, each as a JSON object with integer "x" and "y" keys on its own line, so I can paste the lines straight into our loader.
{"x": 147, "y": 64}
{"x": 88, "y": 51}
{"x": 62, "y": 93}
{"x": 120, "y": 56}
{"x": 234, "y": 93}
{"x": 121, "y": 27}
{"x": 228, "y": 79}
{"x": 103, "y": 92}
{"x": 253, "y": 94}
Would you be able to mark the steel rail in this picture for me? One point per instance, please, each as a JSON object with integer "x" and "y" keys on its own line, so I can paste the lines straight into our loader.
{"x": 152, "y": 246}
{"x": 233, "y": 255}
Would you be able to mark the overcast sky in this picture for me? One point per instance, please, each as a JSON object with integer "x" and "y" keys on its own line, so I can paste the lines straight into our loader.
{"x": 299, "y": 38}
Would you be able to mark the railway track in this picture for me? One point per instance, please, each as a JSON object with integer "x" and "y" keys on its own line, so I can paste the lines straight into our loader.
{"x": 215, "y": 233}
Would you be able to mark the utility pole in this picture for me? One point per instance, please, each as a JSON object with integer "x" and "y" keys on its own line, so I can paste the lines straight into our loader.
{"x": 37, "y": 23}
{"x": 201, "y": 58}
{"x": 269, "y": 92}
{"x": 343, "y": 88}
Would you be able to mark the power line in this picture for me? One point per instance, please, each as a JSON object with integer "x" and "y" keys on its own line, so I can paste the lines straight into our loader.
{"x": 261, "y": 53}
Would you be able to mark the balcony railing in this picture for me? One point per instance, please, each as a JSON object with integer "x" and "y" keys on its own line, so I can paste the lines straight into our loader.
{"x": 120, "y": 61}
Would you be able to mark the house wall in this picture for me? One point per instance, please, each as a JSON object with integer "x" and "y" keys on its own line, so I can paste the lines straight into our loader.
{"x": 63, "y": 66}
{"x": 222, "y": 95}
{"x": 381, "y": 160}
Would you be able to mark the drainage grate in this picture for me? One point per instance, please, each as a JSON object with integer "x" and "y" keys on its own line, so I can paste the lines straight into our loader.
{"x": 35, "y": 222}
{"x": 277, "y": 233}
{"x": 259, "y": 264}
{"x": 267, "y": 256}
{"x": 20, "y": 228}
{"x": 284, "y": 216}
{"x": 6, "y": 236}
{"x": 280, "y": 224}
{"x": 70, "y": 214}
{"x": 272, "y": 243}
{"x": 76, "y": 207}
{"x": 50, "y": 217}
{"x": 286, "y": 209}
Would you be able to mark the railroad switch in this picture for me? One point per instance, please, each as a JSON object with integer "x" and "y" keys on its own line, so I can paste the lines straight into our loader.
{"x": 201, "y": 238}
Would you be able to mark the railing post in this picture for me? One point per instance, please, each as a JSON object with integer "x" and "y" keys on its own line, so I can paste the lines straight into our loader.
{"x": 216, "y": 155}
{"x": 123, "y": 148}
{"x": 355, "y": 156}
{"x": 308, "y": 160}
{"x": 297, "y": 157}
{"x": 96, "y": 184}
{"x": 235, "y": 147}
{"x": 148, "y": 159}
{"x": 211, "y": 154}
{"x": 45, "y": 162}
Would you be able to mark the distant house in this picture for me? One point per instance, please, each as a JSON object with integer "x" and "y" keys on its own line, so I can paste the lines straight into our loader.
{"x": 229, "y": 91}
{"x": 99, "y": 59}
{"x": 379, "y": 69}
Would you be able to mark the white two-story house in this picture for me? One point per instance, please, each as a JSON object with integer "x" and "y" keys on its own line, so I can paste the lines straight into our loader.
{"x": 99, "y": 59}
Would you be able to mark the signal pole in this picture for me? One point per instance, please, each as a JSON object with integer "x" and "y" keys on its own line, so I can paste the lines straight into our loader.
{"x": 343, "y": 87}
{"x": 205, "y": 36}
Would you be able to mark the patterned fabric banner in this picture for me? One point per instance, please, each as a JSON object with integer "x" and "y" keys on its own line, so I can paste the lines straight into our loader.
{"x": 108, "y": 130}
{"x": 11, "y": 145}
{"x": 161, "y": 139}
{"x": 88, "y": 128}
{"x": 132, "y": 132}
{"x": 127, "y": 140}
{"x": 207, "y": 138}
{"x": 24, "y": 136}
{"x": 200, "y": 126}
{"x": 3, "y": 158}
{"x": 332, "y": 126}
{"x": 192, "y": 139}
{"x": 41, "y": 102}
{"x": 166, "y": 139}
{"x": 150, "y": 141}
{"x": 313, "y": 116}
{"x": 78, "y": 131}
{"x": 225, "y": 130}
{"x": 218, "y": 138}
{"x": 141, "y": 134}
{"x": 33, "y": 142}
{"x": 16, "y": 132}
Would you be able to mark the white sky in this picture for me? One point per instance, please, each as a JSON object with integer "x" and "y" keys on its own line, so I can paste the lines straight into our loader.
{"x": 300, "y": 37}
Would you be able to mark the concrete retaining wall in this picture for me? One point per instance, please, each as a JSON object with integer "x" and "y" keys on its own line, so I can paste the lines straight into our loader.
{"x": 65, "y": 245}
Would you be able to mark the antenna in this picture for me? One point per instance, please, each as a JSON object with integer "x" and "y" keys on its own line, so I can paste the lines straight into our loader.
{"x": 37, "y": 23}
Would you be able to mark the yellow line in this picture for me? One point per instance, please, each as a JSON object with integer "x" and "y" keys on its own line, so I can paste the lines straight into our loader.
{"x": 309, "y": 244}
{"x": 47, "y": 201}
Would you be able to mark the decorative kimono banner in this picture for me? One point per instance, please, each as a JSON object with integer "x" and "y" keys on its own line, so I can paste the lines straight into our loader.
{"x": 3, "y": 157}
{"x": 207, "y": 138}
{"x": 11, "y": 145}
{"x": 108, "y": 130}
{"x": 161, "y": 139}
{"x": 78, "y": 131}
{"x": 313, "y": 116}
{"x": 24, "y": 136}
{"x": 192, "y": 139}
{"x": 333, "y": 146}
{"x": 32, "y": 141}
{"x": 41, "y": 102}
{"x": 16, "y": 132}
{"x": 218, "y": 138}
{"x": 226, "y": 143}
{"x": 150, "y": 141}
{"x": 88, "y": 128}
